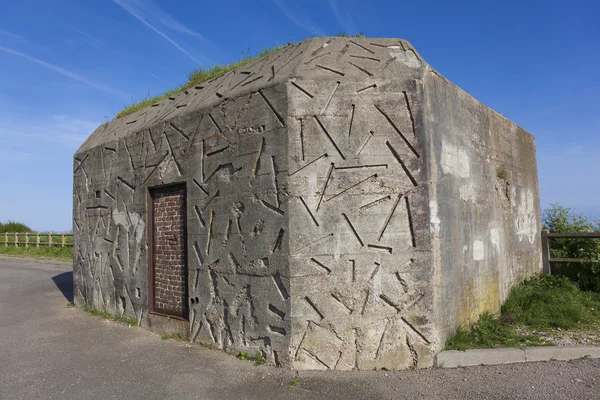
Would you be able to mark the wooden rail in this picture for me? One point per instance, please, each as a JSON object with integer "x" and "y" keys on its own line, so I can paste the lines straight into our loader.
{"x": 546, "y": 236}
{"x": 41, "y": 239}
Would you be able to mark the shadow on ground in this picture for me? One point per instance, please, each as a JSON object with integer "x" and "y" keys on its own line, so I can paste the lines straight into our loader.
{"x": 64, "y": 283}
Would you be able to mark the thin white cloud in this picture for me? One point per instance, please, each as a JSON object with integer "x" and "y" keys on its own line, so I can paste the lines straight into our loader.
{"x": 343, "y": 18}
{"x": 155, "y": 13}
{"x": 94, "y": 39}
{"x": 64, "y": 72}
{"x": 66, "y": 131}
{"x": 151, "y": 15}
{"x": 151, "y": 74}
{"x": 303, "y": 23}
{"x": 13, "y": 36}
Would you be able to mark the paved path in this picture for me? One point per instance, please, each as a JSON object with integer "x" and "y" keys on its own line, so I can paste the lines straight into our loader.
{"x": 49, "y": 351}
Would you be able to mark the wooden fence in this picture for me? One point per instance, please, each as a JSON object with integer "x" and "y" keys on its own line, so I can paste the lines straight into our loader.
{"x": 38, "y": 239}
{"x": 546, "y": 236}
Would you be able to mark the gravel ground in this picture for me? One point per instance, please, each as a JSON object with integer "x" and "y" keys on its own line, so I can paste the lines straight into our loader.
{"x": 49, "y": 351}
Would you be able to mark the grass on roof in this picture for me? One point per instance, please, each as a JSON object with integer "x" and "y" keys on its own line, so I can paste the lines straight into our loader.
{"x": 197, "y": 77}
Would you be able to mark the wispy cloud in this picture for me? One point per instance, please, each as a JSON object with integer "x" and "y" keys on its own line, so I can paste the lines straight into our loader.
{"x": 13, "y": 36}
{"x": 65, "y": 72}
{"x": 62, "y": 130}
{"x": 302, "y": 22}
{"x": 154, "y": 76}
{"x": 343, "y": 18}
{"x": 91, "y": 39}
{"x": 153, "y": 17}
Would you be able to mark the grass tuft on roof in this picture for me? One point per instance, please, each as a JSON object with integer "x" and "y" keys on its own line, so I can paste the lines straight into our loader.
{"x": 197, "y": 77}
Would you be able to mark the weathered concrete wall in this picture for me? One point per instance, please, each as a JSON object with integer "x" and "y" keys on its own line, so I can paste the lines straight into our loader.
{"x": 232, "y": 157}
{"x": 484, "y": 204}
{"x": 329, "y": 204}
{"x": 359, "y": 230}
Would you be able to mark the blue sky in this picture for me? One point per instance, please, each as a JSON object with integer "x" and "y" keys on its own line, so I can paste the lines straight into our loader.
{"x": 67, "y": 66}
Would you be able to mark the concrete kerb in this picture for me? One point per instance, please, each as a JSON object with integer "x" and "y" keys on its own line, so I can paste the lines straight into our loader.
{"x": 469, "y": 358}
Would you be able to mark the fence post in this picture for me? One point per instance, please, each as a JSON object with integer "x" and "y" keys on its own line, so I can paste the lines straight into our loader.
{"x": 546, "y": 253}
{"x": 5, "y": 239}
{"x": 62, "y": 239}
{"x": 26, "y": 240}
{"x": 49, "y": 239}
{"x": 16, "y": 239}
{"x": 37, "y": 239}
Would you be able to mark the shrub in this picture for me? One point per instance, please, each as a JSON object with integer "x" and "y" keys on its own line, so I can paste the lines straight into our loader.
{"x": 561, "y": 219}
{"x": 14, "y": 227}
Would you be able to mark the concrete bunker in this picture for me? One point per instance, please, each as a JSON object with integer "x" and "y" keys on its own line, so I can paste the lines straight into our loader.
{"x": 336, "y": 205}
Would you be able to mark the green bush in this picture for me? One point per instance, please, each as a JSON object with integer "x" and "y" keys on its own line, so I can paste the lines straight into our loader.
{"x": 561, "y": 219}
{"x": 14, "y": 227}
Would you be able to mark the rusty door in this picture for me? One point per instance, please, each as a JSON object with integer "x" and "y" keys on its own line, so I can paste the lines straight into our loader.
{"x": 167, "y": 277}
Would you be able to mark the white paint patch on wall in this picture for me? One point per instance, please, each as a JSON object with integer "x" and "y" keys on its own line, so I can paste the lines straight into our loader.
{"x": 434, "y": 220}
{"x": 526, "y": 221}
{"x": 131, "y": 219}
{"x": 495, "y": 238}
{"x": 478, "y": 250}
{"x": 467, "y": 192}
{"x": 405, "y": 57}
{"x": 455, "y": 160}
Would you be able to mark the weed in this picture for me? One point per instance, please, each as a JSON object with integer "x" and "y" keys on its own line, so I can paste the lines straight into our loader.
{"x": 125, "y": 319}
{"x": 502, "y": 175}
{"x": 174, "y": 336}
{"x": 259, "y": 359}
{"x": 358, "y": 35}
{"x": 295, "y": 382}
{"x": 70, "y": 304}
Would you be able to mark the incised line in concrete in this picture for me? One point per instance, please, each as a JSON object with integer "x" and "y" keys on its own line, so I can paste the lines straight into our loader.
{"x": 329, "y": 137}
{"x": 389, "y": 217}
{"x": 397, "y": 157}
{"x": 353, "y": 230}
{"x": 331, "y": 167}
{"x": 321, "y": 265}
{"x": 408, "y": 144}
{"x": 351, "y": 187}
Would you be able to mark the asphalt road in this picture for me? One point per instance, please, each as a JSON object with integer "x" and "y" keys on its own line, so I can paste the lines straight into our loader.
{"x": 49, "y": 351}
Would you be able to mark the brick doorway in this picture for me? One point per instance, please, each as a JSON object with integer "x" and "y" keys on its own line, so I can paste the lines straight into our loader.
{"x": 167, "y": 230}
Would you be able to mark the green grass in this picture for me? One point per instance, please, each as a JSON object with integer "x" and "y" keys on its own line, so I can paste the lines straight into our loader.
{"x": 544, "y": 304}
{"x": 295, "y": 382}
{"x": 197, "y": 77}
{"x": 552, "y": 302}
{"x": 175, "y": 336}
{"x": 344, "y": 34}
{"x": 42, "y": 253}
{"x": 125, "y": 319}
{"x": 258, "y": 357}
